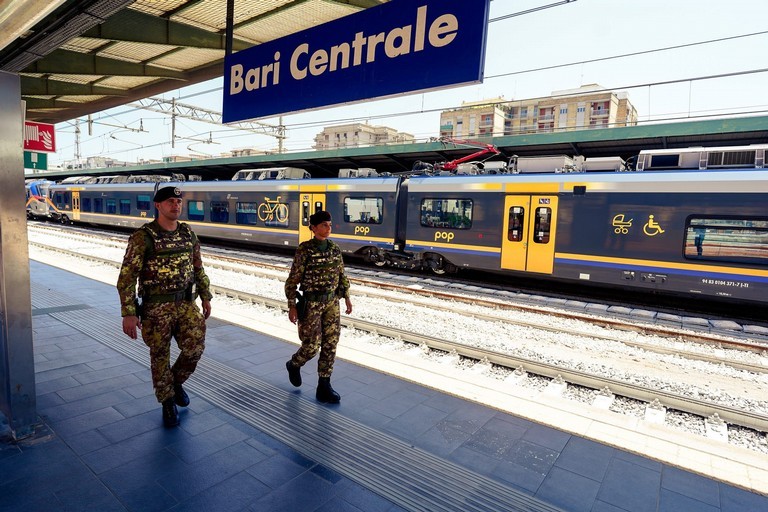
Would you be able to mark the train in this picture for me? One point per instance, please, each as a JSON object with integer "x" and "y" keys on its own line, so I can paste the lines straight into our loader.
{"x": 690, "y": 222}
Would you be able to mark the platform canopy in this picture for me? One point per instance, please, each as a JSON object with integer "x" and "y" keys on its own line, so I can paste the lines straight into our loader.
{"x": 77, "y": 57}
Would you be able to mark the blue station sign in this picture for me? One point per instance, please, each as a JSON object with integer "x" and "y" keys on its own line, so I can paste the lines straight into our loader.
{"x": 395, "y": 48}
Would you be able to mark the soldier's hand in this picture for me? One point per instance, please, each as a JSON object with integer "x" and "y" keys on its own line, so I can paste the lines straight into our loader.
{"x": 349, "y": 305}
{"x": 293, "y": 315}
{"x": 207, "y": 308}
{"x": 130, "y": 326}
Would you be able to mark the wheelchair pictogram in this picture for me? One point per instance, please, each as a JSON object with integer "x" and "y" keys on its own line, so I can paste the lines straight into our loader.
{"x": 652, "y": 228}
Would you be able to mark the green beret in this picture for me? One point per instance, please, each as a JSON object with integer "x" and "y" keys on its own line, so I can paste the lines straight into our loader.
{"x": 166, "y": 193}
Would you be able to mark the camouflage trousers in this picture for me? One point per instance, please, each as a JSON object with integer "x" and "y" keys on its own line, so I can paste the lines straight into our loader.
{"x": 161, "y": 322}
{"x": 319, "y": 331}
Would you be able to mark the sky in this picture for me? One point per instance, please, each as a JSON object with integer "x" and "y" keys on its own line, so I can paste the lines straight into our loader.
{"x": 618, "y": 44}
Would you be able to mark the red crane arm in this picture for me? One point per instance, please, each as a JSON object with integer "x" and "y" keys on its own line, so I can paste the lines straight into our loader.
{"x": 485, "y": 149}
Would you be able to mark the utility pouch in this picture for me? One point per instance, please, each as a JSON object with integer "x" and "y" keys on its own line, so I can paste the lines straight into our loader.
{"x": 301, "y": 306}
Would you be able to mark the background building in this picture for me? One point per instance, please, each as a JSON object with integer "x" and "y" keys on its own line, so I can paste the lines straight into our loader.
{"x": 589, "y": 106}
{"x": 359, "y": 134}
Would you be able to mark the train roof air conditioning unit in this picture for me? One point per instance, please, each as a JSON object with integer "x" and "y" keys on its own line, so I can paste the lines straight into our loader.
{"x": 363, "y": 172}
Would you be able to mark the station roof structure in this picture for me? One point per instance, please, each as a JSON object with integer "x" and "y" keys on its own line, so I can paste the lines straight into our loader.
{"x": 77, "y": 57}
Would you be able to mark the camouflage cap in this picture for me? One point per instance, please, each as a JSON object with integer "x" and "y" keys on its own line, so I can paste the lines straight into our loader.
{"x": 166, "y": 193}
{"x": 319, "y": 217}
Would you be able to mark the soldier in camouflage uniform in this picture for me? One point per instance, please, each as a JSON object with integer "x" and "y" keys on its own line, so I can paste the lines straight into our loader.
{"x": 318, "y": 269}
{"x": 164, "y": 257}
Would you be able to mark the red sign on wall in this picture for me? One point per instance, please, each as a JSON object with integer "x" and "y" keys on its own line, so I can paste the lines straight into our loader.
{"x": 39, "y": 137}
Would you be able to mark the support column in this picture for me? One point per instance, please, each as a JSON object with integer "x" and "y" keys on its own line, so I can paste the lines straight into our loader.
{"x": 17, "y": 367}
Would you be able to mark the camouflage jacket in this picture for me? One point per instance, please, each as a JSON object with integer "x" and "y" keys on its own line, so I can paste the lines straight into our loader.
{"x": 161, "y": 262}
{"x": 317, "y": 271}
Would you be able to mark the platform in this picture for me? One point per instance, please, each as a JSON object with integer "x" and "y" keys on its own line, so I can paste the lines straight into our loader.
{"x": 250, "y": 441}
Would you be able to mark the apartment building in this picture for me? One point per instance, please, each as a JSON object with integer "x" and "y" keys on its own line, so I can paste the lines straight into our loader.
{"x": 359, "y": 134}
{"x": 587, "y": 107}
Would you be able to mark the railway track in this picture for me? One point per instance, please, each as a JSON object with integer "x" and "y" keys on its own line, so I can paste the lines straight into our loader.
{"x": 514, "y": 364}
{"x": 428, "y": 288}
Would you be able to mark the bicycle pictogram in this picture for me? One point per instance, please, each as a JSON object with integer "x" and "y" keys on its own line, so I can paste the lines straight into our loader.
{"x": 272, "y": 210}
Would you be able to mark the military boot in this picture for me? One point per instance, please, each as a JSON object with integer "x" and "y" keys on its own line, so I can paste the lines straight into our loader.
{"x": 325, "y": 392}
{"x": 180, "y": 396}
{"x": 170, "y": 413}
{"x": 294, "y": 373}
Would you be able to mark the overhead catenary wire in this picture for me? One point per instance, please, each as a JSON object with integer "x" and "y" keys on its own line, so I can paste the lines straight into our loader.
{"x": 336, "y": 121}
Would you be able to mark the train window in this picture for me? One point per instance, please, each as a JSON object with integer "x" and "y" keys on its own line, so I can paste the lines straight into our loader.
{"x": 125, "y": 207}
{"x": 195, "y": 210}
{"x": 85, "y": 205}
{"x": 446, "y": 213}
{"x": 143, "y": 203}
{"x": 61, "y": 199}
{"x": 733, "y": 240}
{"x": 246, "y": 213}
{"x": 111, "y": 206}
{"x": 516, "y": 223}
{"x": 98, "y": 205}
{"x": 220, "y": 212}
{"x": 363, "y": 210}
{"x": 542, "y": 225}
{"x": 305, "y": 213}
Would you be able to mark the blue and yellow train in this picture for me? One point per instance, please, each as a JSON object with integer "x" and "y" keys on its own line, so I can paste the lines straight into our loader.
{"x": 687, "y": 222}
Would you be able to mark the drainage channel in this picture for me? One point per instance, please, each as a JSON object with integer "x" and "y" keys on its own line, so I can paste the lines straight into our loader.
{"x": 412, "y": 478}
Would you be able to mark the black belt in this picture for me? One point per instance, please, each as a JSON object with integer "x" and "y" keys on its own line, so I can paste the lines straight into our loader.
{"x": 319, "y": 296}
{"x": 178, "y": 296}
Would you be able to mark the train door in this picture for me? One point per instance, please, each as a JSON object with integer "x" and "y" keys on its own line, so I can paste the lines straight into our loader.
{"x": 75, "y": 205}
{"x": 310, "y": 203}
{"x": 528, "y": 243}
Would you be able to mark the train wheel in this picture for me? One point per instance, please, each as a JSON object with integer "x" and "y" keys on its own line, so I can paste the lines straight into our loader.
{"x": 439, "y": 265}
{"x": 64, "y": 219}
{"x": 436, "y": 264}
{"x": 373, "y": 256}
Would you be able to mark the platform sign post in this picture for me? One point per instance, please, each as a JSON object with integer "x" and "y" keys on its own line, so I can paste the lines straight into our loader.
{"x": 399, "y": 47}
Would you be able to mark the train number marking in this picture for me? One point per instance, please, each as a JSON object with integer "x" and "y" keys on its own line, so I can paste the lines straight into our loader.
{"x": 443, "y": 235}
{"x": 362, "y": 230}
{"x": 724, "y": 282}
